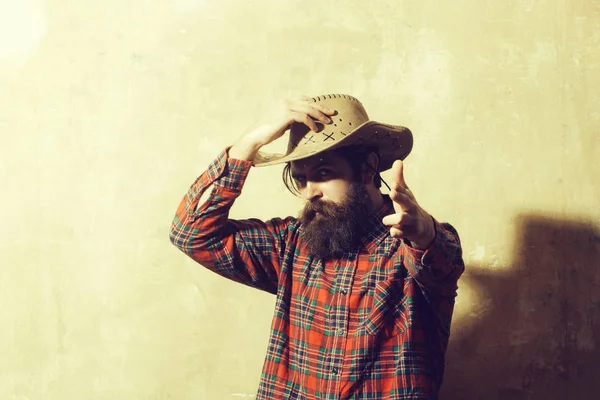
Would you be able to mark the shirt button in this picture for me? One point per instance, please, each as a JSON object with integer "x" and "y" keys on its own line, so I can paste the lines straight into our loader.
{"x": 335, "y": 370}
{"x": 341, "y": 332}
{"x": 344, "y": 291}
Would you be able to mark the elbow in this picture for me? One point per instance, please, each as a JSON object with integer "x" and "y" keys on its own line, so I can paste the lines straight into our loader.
{"x": 172, "y": 236}
{"x": 178, "y": 238}
{"x": 188, "y": 240}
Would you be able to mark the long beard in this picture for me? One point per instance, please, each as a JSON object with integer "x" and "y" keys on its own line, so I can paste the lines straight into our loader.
{"x": 330, "y": 230}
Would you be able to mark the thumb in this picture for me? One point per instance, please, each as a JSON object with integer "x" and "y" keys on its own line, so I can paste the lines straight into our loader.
{"x": 398, "y": 174}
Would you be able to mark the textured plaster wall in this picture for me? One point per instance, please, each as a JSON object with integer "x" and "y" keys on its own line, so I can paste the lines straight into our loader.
{"x": 109, "y": 110}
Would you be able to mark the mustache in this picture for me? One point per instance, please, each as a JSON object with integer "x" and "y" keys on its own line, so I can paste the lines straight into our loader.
{"x": 319, "y": 206}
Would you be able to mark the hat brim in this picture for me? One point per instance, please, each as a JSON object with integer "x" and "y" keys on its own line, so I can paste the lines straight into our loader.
{"x": 394, "y": 143}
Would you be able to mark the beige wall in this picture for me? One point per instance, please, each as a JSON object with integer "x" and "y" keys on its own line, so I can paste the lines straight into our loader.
{"x": 110, "y": 109}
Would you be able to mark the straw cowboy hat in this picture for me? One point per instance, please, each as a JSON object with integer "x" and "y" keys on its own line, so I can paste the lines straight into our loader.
{"x": 350, "y": 127}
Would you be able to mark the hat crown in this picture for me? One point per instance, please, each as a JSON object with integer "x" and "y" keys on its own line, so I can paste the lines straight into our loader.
{"x": 349, "y": 115}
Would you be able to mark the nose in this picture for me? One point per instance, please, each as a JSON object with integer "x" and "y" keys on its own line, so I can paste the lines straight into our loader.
{"x": 312, "y": 191}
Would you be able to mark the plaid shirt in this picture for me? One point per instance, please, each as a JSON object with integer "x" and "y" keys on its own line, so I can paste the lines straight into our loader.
{"x": 372, "y": 325}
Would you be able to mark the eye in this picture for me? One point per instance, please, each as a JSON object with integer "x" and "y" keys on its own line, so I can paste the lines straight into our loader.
{"x": 324, "y": 173}
{"x": 300, "y": 180}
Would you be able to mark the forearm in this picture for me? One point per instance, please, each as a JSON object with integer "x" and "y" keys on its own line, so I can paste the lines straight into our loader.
{"x": 245, "y": 148}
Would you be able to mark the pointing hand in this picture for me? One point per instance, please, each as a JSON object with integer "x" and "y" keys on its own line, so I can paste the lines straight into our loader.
{"x": 409, "y": 221}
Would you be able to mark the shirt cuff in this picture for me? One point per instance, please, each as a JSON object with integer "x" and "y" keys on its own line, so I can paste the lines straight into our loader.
{"x": 229, "y": 173}
{"x": 426, "y": 257}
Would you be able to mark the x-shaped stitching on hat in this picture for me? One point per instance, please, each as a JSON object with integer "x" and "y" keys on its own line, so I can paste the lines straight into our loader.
{"x": 310, "y": 139}
{"x": 328, "y": 136}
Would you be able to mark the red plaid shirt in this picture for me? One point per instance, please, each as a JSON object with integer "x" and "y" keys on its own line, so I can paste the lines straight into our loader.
{"x": 372, "y": 325}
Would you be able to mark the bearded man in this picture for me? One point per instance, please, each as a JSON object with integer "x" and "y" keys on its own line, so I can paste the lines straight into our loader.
{"x": 365, "y": 282}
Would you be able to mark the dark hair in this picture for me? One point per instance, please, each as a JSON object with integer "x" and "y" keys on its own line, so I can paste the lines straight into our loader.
{"x": 356, "y": 156}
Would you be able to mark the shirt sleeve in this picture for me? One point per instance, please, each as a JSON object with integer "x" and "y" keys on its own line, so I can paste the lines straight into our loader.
{"x": 246, "y": 251}
{"x": 437, "y": 268}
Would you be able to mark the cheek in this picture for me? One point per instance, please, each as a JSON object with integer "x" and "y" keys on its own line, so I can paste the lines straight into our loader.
{"x": 336, "y": 190}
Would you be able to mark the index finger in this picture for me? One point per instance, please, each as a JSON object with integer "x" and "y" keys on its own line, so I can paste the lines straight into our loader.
{"x": 398, "y": 173}
{"x": 311, "y": 101}
{"x": 322, "y": 108}
{"x": 401, "y": 201}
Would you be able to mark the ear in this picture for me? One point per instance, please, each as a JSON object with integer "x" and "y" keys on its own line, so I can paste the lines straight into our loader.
{"x": 370, "y": 169}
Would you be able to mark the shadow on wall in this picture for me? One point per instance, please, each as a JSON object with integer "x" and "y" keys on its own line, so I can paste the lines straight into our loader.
{"x": 534, "y": 332}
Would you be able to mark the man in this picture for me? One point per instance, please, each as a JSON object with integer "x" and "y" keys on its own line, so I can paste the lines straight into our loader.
{"x": 365, "y": 282}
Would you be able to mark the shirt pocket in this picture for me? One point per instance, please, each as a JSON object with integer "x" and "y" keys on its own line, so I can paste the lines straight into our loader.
{"x": 388, "y": 313}
{"x": 307, "y": 307}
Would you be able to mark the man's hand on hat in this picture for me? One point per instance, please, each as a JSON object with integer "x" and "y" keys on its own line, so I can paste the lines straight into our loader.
{"x": 410, "y": 221}
{"x": 278, "y": 120}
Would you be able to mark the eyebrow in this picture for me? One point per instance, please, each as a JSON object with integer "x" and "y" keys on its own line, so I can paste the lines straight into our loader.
{"x": 317, "y": 166}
